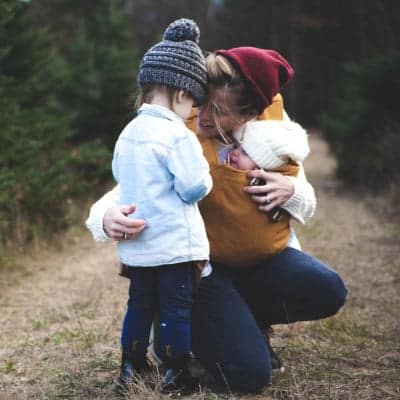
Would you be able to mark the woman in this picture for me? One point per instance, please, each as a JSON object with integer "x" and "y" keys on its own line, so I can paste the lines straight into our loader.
{"x": 234, "y": 306}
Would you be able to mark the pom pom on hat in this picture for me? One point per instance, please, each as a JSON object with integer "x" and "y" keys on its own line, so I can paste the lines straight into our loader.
{"x": 177, "y": 61}
{"x": 182, "y": 29}
{"x": 266, "y": 71}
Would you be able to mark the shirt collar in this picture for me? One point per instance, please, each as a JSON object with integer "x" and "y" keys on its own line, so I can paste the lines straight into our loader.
{"x": 159, "y": 111}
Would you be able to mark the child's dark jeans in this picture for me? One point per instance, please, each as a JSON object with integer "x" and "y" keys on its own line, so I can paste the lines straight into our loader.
{"x": 166, "y": 289}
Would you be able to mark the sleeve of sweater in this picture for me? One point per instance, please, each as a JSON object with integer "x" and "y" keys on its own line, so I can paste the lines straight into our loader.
{"x": 95, "y": 220}
{"x": 302, "y": 204}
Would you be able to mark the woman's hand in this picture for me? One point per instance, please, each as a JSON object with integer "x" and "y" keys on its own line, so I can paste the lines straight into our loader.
{"x": 277, "y": 190}
{"x": 118, "y": 226}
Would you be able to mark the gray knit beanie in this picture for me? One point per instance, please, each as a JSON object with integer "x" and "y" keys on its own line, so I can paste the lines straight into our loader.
{"x": 177, "y": 61}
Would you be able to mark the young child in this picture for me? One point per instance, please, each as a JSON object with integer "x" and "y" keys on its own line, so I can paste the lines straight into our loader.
{"x": 268, "y": 144}
{"x": 160, "y": 167}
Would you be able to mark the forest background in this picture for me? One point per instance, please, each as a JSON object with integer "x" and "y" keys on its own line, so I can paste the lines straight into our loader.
{"x": 68, "y": 83}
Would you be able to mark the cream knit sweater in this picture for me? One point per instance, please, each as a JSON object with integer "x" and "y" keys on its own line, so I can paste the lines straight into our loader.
{"x": 301, "y": 206}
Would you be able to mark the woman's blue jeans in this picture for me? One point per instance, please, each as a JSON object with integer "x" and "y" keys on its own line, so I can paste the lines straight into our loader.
{"x": 233, "y": 306}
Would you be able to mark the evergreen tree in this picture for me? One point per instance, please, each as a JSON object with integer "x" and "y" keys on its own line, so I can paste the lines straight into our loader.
{"x": 362, "y": 126}
{"x": 97, "y": 43}
{"x": 33, "y": 126}
{"x": 39, "y": 168}
{"x": 316, "y": 37}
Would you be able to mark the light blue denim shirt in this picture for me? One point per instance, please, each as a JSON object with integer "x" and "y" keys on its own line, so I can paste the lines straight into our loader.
{"x": 160, "y": 167}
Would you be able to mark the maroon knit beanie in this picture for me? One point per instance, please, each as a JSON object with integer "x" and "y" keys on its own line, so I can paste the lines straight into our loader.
{"x": 266, "y": 71}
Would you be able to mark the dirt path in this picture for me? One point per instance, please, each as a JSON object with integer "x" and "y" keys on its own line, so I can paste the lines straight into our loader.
{"x": 60, "y": 323}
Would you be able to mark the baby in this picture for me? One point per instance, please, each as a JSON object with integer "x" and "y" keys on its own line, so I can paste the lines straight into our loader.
{"x": 249, "y": 236}
{"x": 268, "y": 145}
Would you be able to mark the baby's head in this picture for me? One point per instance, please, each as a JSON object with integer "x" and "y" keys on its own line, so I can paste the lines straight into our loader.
{"x": 239, "y": 159}
{"x": 265, "y": 144}
{"x": 175, "y": 64}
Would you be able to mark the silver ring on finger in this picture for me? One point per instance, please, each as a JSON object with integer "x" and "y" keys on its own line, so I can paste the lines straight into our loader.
{"x": 267, "y": 200}
{"x": 124, "y": 236}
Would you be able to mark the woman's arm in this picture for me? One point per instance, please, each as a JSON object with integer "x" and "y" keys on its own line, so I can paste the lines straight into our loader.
{"x": 302, "y": 204}
{"x": 109, "y": 220}
{"x": 294, "y": 194}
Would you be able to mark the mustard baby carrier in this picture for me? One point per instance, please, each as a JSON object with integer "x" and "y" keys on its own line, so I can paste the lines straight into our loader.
{"x": 240, "y": 235}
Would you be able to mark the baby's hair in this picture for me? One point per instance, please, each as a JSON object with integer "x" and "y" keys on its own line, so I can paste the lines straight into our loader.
{"x": 222, "y": 75}
{"x": 147, "y": 91}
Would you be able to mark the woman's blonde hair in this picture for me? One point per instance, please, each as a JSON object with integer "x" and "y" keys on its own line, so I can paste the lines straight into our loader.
{"x": 223, "y": 76}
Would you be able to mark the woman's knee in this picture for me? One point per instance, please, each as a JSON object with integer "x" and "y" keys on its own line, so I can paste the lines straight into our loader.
{"x": 244, "y": 369}
{"x": 335, "y": 293}
{"x": 229, "y": 345}
{"x": 244, "y": 377}
{"x": 323, "y": 283}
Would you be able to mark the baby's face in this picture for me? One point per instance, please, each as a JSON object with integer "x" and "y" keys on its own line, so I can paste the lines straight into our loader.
{"x": 239, "y": 159}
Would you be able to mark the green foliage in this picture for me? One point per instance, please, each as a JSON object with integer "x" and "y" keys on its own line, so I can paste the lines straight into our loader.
{"x": 363, "y": 123}
{"x": 9, "y": 367}
{"x": 32, "y": 124}
{"x": 317, "y": 38}
{"x": 100, "y": 54}
{"x": 39, "y": 167}
{"x": 67, "y": 72}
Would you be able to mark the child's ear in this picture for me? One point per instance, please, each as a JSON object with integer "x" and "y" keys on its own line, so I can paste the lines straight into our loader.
{"x": 180, "y": 96}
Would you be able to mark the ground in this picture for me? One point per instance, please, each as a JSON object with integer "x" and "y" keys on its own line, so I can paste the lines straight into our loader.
{"x": 61, "y": 311}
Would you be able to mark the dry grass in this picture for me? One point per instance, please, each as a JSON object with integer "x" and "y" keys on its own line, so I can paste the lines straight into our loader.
{"x": 61, "y": 316}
